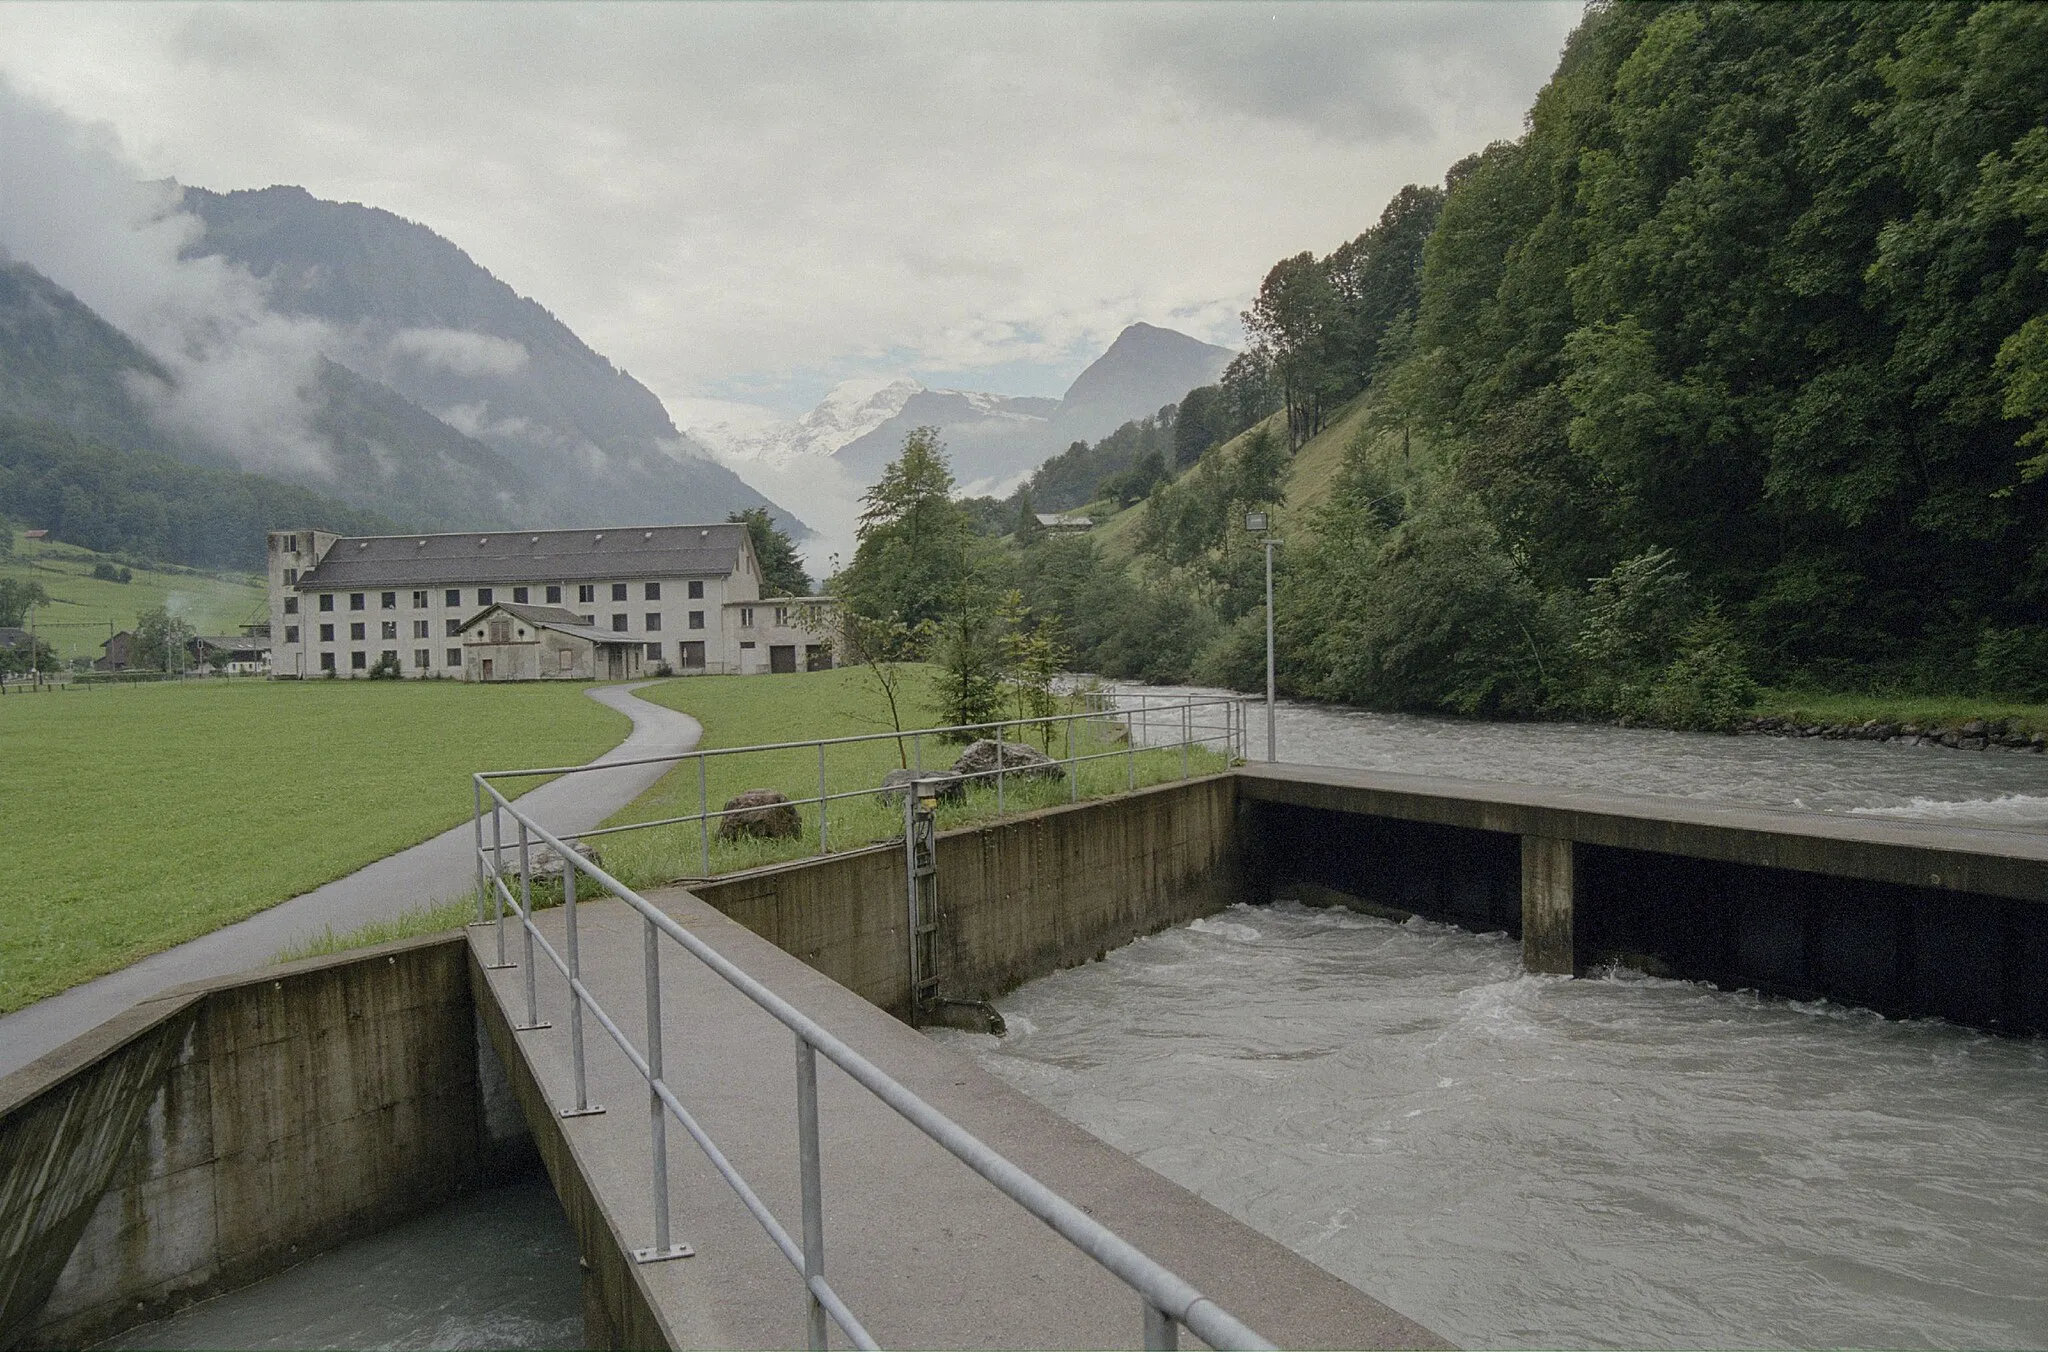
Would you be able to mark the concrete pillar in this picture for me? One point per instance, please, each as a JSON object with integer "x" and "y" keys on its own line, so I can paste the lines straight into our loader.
{"x": 1547, "y": 888}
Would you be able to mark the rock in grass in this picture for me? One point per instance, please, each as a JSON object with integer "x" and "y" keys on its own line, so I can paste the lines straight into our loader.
{"x": 949, "y": 787}
{"x": 764, "y": 814}
{"x": 979, "y": 761}
{"x": 546, "y": 862}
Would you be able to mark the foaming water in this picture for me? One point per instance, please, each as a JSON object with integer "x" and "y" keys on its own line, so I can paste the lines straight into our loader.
{"x": 495, "y": 1269}
{"x": 1519, "y": 1160}
{"x": 1974, "y": 788}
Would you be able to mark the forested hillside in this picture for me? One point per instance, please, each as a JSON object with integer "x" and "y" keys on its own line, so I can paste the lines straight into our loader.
{"x": 151, "y": 506}
{"x": 1734, "y": 368}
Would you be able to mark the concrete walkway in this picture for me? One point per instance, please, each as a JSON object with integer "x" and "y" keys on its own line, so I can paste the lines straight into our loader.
{"x": 432, "y": 871}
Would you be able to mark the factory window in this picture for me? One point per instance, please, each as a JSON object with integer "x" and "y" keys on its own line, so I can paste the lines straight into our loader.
{"x": 554, "y": 596}
{"x": 422, "y": 659}
{"x": 422, "y": 629}
{"x": 519, "y": 596}
{"x": 291, "y": 633}
{"x": 326, "y": 661}
{"x": 483, "y": 596}
{"x": 586, "y": 593}
{"x": 455, "y": 628}
{"x": 390, "y": 629}
{"x": 747, "y": 617}
{"x": 327, "y": 633}
{"x": 291, "y": 605}
{"x": 291, "y": 575}
{"x": 618, "y": 624}
{"x": 653, "y": 621}
{"x": 654, "y": 652}
{"x": 781, "y": 616}
{"x": 618, "y": 591}
{"x": 501, "y": 631}
{"x": 654, "y": 591}
{"x": 357, "y": 661}
{"x": 355, "y": 631}
{"x": 389, "y": 600}
{"x": 326, "y": 600}
{"x": 355, "y": 600}
{"x": 419, "y": 600}
{"x": 696, "y": 619}
{"x": 455, "y": 657}
{"x": 696, "y": 591}
{"x": 452, "y": 597}
{"x": 291, "y": 544}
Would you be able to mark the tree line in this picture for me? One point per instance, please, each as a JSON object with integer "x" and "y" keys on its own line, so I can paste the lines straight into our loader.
{"x": 1732, "y": 368}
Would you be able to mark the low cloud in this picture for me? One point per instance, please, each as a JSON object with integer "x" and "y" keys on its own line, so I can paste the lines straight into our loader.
{"x": 461, "y": 351}
{"x": 243, "y": 379}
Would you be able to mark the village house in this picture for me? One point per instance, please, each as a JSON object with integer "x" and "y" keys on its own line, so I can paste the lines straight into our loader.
{"x": 239, "y": 654}
{"x": 120, "y": 652}
{"x": 536, "y": 605}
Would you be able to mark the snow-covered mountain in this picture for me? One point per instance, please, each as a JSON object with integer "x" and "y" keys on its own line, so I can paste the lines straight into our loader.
{"x": 853, "y": 409}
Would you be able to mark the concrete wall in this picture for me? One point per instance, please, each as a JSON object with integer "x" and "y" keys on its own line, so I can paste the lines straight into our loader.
{"x": 1017, "y": 899}
{"x": 220, "y": 1133}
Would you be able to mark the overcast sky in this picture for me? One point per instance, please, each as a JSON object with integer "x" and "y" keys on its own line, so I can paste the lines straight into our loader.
{"x": 745, "y": 203}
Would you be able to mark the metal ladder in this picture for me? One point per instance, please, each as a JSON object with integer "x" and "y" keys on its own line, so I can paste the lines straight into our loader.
{"x": 921, "y": 870}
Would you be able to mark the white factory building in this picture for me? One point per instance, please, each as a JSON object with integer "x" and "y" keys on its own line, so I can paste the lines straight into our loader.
{"x": 535, "y": 605}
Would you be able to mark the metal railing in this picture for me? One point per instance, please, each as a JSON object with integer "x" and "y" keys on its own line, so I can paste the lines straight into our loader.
{"x": 1168, "y": 1301}
{"x": 1164, "y": 724}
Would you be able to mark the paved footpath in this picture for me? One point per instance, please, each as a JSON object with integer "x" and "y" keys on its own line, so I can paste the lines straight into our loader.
{"x": 432, "y": 871}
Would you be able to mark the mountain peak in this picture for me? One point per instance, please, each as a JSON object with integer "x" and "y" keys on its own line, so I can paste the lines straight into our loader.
{"x": 1146, "y": 368}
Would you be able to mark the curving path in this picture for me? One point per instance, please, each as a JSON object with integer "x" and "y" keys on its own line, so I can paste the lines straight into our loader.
{"x": 430, "y": 871}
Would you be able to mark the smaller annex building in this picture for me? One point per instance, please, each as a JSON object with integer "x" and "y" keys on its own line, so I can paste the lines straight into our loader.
{"x": 543, "y": 643}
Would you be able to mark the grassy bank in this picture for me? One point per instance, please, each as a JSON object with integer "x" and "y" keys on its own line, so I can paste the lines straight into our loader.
{"x": 83, "y": 610}
{"x": 142, "y": 816}
{"x": 1929, "y": 711}
{"x": 751, "y": 710}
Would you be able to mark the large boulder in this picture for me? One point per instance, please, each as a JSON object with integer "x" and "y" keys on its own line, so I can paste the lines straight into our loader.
{"x": 762, "y": 813}
{"x": 545, "y": 862}
{"x": 949, "y": 787}
{"x": 978, "y": 761}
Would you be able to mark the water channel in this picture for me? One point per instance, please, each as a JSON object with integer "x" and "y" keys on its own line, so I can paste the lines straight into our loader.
{"x": 1614, "y": 1161}
{"x": 1512, "y": 1160}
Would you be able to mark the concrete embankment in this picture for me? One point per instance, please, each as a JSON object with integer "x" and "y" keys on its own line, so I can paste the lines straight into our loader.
{"x": 218, "y": 1133}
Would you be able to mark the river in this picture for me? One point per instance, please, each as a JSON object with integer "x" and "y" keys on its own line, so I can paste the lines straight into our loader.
{"x": 1525, "y": 1161}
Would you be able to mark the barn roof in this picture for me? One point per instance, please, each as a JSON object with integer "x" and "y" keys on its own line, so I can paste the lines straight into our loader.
{"x": 491, "y": 557}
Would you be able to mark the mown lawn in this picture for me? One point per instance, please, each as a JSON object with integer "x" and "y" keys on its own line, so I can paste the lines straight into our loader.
{"x": 141, "y": 816}
{"x": 752, "y": 710}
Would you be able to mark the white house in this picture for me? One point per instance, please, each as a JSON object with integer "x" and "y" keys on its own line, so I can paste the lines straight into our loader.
{"x": 620, "y": 601}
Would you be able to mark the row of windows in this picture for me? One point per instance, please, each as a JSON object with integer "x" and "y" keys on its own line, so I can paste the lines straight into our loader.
{"x": 586, "y": 594}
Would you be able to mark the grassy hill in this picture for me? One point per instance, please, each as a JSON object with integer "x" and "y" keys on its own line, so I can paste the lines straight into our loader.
{"x": 83, "y": 609}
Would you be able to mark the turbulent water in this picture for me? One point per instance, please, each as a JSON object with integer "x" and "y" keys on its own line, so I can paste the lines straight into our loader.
{"x": 495, "y": 1269}
{"x": 1617, "y": 1161}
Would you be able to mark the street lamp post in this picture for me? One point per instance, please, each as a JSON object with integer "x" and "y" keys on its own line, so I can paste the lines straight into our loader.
{"x": 1256, "y": 523}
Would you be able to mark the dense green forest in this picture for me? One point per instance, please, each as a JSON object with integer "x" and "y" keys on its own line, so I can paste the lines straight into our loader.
{"x": 1733, "y": 368}
{"x": 150, "y": 506}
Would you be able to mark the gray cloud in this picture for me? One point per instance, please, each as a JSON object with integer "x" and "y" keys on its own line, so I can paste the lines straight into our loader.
{"x": 753, "y": 201}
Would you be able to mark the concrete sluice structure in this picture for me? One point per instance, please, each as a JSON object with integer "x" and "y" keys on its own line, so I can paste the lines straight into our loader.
{"x": 222, "y": 1132}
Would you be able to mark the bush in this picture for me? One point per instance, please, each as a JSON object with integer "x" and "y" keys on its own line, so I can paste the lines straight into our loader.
{"x": 386, "y": 668}
{"x": 2013, "y": 662}
{"x": 1707, "y": 687}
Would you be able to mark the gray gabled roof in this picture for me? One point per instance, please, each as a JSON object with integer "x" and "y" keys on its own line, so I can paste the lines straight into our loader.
{"x": 550, "y": 617}
{"x": 614, "y": 553}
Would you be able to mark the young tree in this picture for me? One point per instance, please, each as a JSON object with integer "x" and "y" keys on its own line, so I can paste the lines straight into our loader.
{"x": 883, "y": 646}
{"x": 914, "y": 540}
{"x": 15, "y": 599}
{"x": 161, "y": 640}
{"x": 782, "y": 572}
{"x": 1028, "y": 527}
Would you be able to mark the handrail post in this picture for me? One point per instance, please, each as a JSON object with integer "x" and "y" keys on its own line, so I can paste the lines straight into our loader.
{"x": 526, "y": 930}
{"x": 704, "y": 811}
{"x": 1160, "y": 1330}
{"x": 999, "y": 772}
{"x": 823, "y": 804}
{"x": 1131, "y": 750}
{"x": 1184, "y": 739}
{"x": 498, "y": 880}
{"x": 1073, "y": 766}
{"x": 813, "y": 1187}
{"x": 476, "y": 785}
{"x": 657, "y": 1113}
{"x": 583, "y": 1107}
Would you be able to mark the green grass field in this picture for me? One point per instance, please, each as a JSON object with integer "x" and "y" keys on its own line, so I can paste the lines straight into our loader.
{"x": 752, "y": 710}
{"x": 84, "y": 610}
{"x": 1930, "y": 711}
{"x": 142, "y": 816}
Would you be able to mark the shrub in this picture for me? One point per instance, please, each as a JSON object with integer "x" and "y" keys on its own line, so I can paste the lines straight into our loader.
{"x": 386, "y": 668}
